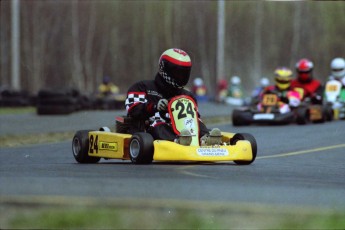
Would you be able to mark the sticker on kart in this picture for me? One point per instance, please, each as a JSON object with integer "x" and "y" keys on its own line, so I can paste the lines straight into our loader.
{"x": 212, "y": 152}
{"x": 182, "y": 111}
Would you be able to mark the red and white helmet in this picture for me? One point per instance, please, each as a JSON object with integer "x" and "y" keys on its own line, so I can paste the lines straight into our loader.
{"x": 175, "y": 66}
{"x": 304, "y": 68}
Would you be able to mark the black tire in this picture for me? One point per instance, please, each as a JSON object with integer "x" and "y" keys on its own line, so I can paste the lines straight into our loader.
{"x": 80, "y": 147}
{"x": 251, "y": 139}
{"x": 63, "y": 100}
{"x": 52, "y": 93}
{"x": 302, "y": 116}
{"x": 141, "y": 148}
{"x": 328, "y": 111}
{"x": 238, "y": 117}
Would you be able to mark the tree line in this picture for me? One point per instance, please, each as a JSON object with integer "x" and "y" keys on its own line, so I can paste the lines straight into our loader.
{"x": 75, "y": 43}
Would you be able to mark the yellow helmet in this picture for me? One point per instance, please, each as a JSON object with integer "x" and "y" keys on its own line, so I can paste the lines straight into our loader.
{"x": 282, "y": 77}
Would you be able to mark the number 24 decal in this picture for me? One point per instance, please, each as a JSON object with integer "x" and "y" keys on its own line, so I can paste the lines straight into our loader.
{"x": 183, "y": 111}
{"x": 93, "y": 144}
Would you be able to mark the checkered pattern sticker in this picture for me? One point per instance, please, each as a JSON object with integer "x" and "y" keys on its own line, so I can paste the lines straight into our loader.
{"x": 135, "y": 97}
{"x": 166, "y": 77}
{"x": 157, "y": 119}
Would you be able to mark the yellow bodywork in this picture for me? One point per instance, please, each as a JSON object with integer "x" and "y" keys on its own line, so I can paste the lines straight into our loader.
{"x": 169, "y": 151}
{"x": 109, "y": 145}
{"x": 116, "y": 146}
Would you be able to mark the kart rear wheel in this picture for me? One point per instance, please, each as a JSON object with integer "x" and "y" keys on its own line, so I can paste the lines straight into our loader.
{"x": 239, "y": 117}
{"x": 328, "y": 113}
{"x": 80, "y": 148}
{"x": 251, "y": 139}
{"x": 141, "y": 148}
{"x": 302, "y": 116}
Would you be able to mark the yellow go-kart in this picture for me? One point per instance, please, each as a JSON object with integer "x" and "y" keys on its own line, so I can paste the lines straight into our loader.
{"x": 140, "y": 147}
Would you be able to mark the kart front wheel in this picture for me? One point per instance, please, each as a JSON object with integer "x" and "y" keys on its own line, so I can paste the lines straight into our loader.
{"x": 141, "y": 148}
{"x": 251, "y": 139}
{"x": 80, "y": 148}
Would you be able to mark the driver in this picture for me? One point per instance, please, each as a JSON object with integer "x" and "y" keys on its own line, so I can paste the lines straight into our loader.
{"x": 148, "y": 99}
{"x": 305, "y": 83}
{"x": 288, "y": 98}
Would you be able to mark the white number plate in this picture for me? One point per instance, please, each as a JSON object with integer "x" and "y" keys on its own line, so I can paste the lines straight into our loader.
{"x": 263, "y": 116}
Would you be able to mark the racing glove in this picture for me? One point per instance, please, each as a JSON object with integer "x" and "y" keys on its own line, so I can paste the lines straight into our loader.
{"x": 162, "y": 105}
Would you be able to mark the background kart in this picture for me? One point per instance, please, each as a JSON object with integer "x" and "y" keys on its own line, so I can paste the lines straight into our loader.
{"x": 335, "y": 97}
{"x": 268, "y": 114}
{"x": 90, "y": 146}
{"x": 305, "y": 113}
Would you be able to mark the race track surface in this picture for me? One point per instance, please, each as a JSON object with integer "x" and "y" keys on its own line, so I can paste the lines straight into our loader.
{"x": 296, "y": 166}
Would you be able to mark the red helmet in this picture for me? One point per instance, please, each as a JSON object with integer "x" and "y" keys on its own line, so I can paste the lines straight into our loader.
{"x": 175, "y": 66}
{"x": 304, "y": 69}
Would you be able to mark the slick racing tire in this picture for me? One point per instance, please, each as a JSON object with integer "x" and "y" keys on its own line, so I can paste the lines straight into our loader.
{"x": 141, "y": 148}
{"x": 251, "y": 139}
{"x": 80, "y": 147}
{"x": 328, "y": 113}
{"x": 240, "y": 118}
{"x": 302, "y": 115}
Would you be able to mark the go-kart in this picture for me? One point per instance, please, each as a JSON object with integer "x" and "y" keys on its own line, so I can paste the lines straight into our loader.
{"x": 269, "y": 113}
{"x": 313, "y": 109}
{"x": 90, "y": 146}
{"x": 335, "y": 98}
{"x": 313, "y": 112}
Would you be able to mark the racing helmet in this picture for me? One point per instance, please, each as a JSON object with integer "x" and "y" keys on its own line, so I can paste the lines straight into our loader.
{"x": 106, "y": 80}
{"x": 282, "y": 78}
{"x": 304, "y": 68}
{"x": 235, "y": 80}
{"x": 175, "y": 66}
{"x": 338, "y": 67}
{"x": 264, "y": 82}
{"x": 198, "y": 82}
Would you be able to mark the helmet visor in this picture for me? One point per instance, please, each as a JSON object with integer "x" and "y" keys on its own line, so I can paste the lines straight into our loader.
{"x": 304, "y": 75}
{"x": 180, "y": 74}
{"x": 337, "y": 70}
{"x": 283, "y": 84}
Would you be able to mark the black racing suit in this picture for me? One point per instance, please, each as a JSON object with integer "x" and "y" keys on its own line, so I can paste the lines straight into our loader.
{"x": 141, "y": 104}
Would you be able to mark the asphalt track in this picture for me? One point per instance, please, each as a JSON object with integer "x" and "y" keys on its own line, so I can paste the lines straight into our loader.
{"x": 299, "y": 166}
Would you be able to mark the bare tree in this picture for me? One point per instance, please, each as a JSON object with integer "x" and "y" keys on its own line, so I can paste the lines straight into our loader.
{"x": 298, "y": 9}
{"x": 204, "y": 57}
{"x": 257, "y": 74}
{"x": 4, "y": 44}
{"x": 76, "y": 67}
{"x": 88, "y": 48}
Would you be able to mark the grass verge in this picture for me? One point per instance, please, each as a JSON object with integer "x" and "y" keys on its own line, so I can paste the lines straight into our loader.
{"x": 93, "y": 213}
{"x": 28, "y": 139}
{"x": 17, "y": 110}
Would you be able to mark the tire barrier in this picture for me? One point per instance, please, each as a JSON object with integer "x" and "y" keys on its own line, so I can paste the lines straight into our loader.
{"x": 13, "y": 98}
{"x": 62, "y": 101}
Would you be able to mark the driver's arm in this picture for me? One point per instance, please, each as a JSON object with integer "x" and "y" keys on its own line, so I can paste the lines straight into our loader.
{"x": 137, "y": 104}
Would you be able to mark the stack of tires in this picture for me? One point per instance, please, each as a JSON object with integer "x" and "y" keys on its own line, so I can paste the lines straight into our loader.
{"x": 110, "y": 102}
{"x": 62, "y": 101}
{"x": 13, "y": 98}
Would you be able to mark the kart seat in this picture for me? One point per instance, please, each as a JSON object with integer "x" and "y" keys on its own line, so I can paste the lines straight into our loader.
{"x": 129, "y": 125}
